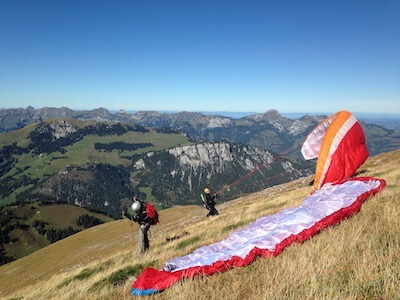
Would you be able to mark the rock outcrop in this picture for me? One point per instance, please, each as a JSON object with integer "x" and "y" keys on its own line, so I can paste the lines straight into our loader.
{"x": 178, "y": 175}
{"x": 61, "y": 128}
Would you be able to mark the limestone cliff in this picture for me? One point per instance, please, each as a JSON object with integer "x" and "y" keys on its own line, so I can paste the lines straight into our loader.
{"x": 178, "y": 175}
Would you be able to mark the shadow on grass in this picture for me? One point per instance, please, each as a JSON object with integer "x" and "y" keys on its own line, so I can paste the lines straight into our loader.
{"x": 119, "y": 277}
{"x": 234, "y": 226}
{"x": 187, "y": 242}
{"x": 272, "y": 206}
{"x": 86, "y": 273}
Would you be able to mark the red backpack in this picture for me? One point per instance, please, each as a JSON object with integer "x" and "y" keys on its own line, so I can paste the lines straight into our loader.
{"x": 152, "y": 213}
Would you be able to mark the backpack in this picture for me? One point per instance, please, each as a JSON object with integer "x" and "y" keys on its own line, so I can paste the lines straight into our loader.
{"x": 152, "y": 213}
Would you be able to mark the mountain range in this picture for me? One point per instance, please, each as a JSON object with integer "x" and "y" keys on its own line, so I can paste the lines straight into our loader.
{"x": 269, "y": 130}
{"x": 101, "y": 165}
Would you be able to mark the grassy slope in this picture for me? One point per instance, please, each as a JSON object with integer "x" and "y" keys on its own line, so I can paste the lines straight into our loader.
{"x": 19, "y": 136}
{"x": 12, "y": 197}
{"x": 81, "y": 153}
{"x": 102, "y": 242}
{"x": 64, "y": 215}
{"x": 58, "y": 216}
{"x": 358, "y": 259}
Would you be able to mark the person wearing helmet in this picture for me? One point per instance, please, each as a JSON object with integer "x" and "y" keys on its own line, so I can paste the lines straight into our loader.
{"x": 209, "y": 202}
{"x": 141, "y": 217}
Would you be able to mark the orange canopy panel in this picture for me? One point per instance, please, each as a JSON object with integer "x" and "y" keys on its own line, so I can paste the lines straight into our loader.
{"x": 339, "y": 143}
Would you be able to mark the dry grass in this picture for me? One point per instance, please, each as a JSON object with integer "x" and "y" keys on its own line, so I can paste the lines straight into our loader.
{"x": 357, "y": 259}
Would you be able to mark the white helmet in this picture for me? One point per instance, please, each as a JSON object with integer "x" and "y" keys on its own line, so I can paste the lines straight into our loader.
{"x": 136, "y": 206}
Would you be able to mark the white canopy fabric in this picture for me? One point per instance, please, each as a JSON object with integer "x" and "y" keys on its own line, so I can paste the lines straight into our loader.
{"x": 268, "y": 231}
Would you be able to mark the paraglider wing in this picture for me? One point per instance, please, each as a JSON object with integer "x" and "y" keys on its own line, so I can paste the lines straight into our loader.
{"x": 339, "y": 144}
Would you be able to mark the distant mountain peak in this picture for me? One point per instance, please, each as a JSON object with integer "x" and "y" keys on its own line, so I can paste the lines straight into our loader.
{"x": 101, "y": 110}
{"x": 272, "y": 114}
{"x": 273, "y": 117}
{"x": 147, "y": 112}
{"x": 269, "y": 115}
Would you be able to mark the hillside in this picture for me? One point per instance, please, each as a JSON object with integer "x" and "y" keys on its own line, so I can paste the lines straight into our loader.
{"x": 31, "y": 155}
{"x": 184, "y": 171}
{"x": 357, "y": 259}
{"x": 28, "y": 227}
{"x": 101, "y": 165}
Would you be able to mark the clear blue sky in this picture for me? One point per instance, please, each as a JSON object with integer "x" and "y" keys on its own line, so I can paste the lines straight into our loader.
{"x": 294, "y": 56}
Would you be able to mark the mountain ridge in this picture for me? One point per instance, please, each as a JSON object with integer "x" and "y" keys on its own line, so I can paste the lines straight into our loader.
{"x": 267, "y": 130}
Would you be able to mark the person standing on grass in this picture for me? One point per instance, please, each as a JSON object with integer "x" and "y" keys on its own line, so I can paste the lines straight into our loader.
{"x": 209, "y": 202}
{"x": 146, "y": 215}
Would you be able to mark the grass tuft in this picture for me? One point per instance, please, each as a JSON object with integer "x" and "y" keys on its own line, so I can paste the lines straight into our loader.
{"x": 187, "y": 242}
{"x": 85, "y": 274}
{"x": 234, "y": 226}
{"x": 119, "y": 277}
{"x": 273, "y": 206}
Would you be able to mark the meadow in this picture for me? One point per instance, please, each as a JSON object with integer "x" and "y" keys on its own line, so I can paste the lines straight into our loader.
{"x": 56, "y": 216}
{"x": 80, "y": 153}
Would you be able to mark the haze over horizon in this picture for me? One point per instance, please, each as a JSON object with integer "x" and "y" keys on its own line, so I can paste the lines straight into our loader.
{"x": 229, "y": 56}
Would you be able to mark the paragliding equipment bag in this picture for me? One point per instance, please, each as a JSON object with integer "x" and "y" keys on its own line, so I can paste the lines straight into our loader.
{"x": 152, "y": 213}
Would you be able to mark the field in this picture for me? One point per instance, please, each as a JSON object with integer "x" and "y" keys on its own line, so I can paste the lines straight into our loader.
{"x": 357, "y": 259}
{"x": 58, "y": 216}
{"x": 12, "y": 198}
{"x": 55, "y": 214}
{"x": 81, "y": 153}
{"x": 20, "y": 136}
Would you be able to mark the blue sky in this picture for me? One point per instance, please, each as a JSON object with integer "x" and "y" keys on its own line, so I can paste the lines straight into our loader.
{"x": 294, "y": 56}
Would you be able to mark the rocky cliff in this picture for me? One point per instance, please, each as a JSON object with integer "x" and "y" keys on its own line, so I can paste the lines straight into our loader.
{"x": 178, "y": 175}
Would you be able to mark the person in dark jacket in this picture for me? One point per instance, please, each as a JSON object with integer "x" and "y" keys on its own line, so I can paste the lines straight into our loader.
{"x": 141, "y": 217}
{"x": 209, "y": 202}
